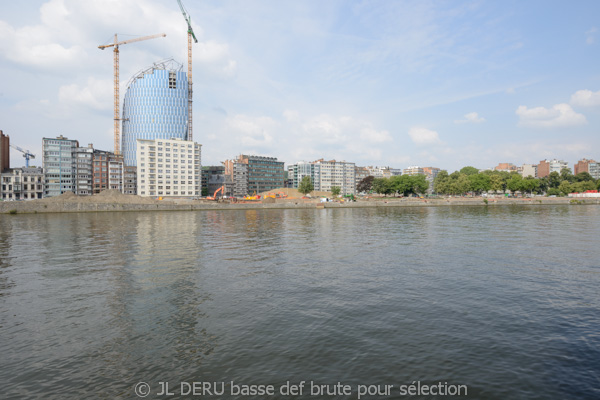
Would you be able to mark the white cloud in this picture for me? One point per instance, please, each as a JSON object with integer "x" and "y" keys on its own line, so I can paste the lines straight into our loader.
{"x": 67, "y": 33}
{"x": 560, "y": 115}
{"x": 423, "y": 136}
{"x": 472, "y": 117}
{"x": 252, "y": 131}
{"x": 591, "y": 36}
{"x": 97, "y": 94}
{"x": 369, "y": 134}
{"x": 585, "y": 98}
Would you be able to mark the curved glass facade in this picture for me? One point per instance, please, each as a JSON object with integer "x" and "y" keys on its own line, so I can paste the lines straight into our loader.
{"x": 154, "y": 107}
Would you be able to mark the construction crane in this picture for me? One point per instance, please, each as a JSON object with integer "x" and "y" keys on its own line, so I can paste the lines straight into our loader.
{"x": 26, "y": 153}
{"x": 191, "y": 35}
{"x": 116, "y": 45}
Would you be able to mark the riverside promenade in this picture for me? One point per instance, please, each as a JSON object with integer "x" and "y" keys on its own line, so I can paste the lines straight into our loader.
{"x": 110, "y": 201}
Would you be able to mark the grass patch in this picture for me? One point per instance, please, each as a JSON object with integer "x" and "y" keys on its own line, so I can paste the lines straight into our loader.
{"x": 12, "y": 212}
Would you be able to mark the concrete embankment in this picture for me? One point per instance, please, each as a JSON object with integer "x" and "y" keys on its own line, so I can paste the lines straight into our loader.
{"x": 73, "y": 204}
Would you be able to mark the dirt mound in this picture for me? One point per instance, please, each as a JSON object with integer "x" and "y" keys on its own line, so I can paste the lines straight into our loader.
{"x": 294, "y": 193}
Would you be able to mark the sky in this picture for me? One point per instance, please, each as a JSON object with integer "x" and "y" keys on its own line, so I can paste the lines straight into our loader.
{"x": 387, "y": 83}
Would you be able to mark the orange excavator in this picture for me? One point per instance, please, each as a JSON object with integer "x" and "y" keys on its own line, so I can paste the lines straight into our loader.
{"x": 214, "y": 196}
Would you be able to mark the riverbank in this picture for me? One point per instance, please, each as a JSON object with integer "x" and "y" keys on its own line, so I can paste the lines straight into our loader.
{"x": 111, "y": 201}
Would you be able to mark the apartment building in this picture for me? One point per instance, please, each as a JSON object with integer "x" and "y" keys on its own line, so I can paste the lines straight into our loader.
{"x": 59, "y": 165}
{"x": 25, "y": 183}
{"x": 546, "y": 167}
{"x": 168, "y": 168}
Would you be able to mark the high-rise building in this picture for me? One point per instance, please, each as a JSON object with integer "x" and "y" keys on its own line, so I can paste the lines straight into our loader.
{"x": 168, "y": 168}
{"x": 108, "y": 171}
{"x": 296, "y": 172}
{"x": 129, "y": 180}
{"x": 590, "y": 166}
{"x": 155, "y": 106}
{"x": 325, "y": 175}
{"x": 251, "y": 174}
{"x": 83, "y": 170}
{"x": 4, "y": 151}
{"x": 59, "y": 165}
{"x": 546, "y": 167}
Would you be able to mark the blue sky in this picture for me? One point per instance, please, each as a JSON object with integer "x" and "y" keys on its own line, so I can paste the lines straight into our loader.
{"x": 398, "y": 83}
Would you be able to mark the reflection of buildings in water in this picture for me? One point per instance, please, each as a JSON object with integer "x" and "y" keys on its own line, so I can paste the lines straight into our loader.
{"x": 158, "y": 296}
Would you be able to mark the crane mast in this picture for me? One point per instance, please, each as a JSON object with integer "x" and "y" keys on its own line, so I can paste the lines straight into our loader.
{"x": 117, "y": 118}
{"x": 191, "y": 36}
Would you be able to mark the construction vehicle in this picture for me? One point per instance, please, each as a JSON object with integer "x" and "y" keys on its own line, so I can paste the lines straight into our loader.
{"x": 116, "y": 45}
{"x": 214, "y": 196}
{"x": 191, "y": 35}
{"x": 350, "y": 197}
{"x": 26, "y": 153}
{"x": 253, "y": 197}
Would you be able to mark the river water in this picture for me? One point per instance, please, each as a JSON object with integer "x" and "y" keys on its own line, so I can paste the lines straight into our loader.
{"x": 503, "y": 302}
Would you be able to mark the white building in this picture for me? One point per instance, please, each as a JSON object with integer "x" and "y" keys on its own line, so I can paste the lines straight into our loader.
{"x": 413, "y": 171}
{"x": 168, "y": 168}
{"x": 325, "y": 175}
{"x": 529, "y": 170}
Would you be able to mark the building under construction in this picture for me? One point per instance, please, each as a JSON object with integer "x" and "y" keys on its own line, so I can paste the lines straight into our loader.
{"x": 155, "y": 107}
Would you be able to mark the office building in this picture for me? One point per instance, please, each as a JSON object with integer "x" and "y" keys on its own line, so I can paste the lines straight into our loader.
{"x": 251, "y": 174}
{"x": 155, "y": 106}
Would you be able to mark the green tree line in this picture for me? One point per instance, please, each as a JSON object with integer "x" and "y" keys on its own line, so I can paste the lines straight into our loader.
{"x": 470, "y": 180}
{"x": 402, "y": 184}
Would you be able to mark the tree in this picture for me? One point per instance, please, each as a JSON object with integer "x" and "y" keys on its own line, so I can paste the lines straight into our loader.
{"x": 565, "y": 188}
{"x": 554, "y": 180}
{"x": 566, "y": 175}
{"x": 336, "y": 190}
{"x": 419, "y": 184}
{"x": 306, "y": 185}
{"x": 440, "y": 184}
{"x": 529, "y": 184}
{"x": 480, "y": 183}
{"x": 365, "y": 185}
{"x": 583, "y": 177}
{"x": 469, "y": 171}
{"x": 462, "y": 184}
{"x": 382, "y": 186}
{"x": 497, "y": 184}
{"x": 514, "y": 184}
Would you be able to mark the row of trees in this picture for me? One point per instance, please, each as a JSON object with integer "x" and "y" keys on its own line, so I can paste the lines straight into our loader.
{"x": 470, "y": 180}
{"x": 405, "y": 185}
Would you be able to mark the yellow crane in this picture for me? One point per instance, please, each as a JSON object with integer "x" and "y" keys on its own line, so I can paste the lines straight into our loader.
{"x": 191, "y": 35}
{"x": 116, "y": 45}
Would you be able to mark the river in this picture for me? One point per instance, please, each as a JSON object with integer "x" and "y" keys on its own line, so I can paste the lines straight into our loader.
{"x": 501, "y": 302}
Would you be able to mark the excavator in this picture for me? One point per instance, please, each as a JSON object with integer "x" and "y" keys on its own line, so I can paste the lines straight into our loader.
{"x": 253, "y": 197}
{"x": 214, "y": 196}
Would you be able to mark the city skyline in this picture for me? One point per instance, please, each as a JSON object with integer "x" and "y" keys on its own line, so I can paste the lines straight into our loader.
{"x": 396, "y": 83}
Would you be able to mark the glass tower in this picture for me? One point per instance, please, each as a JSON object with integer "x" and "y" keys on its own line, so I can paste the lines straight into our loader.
{"x": 155, "y": 107}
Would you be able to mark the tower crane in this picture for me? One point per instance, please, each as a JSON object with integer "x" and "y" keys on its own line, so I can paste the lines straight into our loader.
{"x": 191, "y": 35}
{"x": 116, "y": 45}
{"x": 26, "y": 153}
